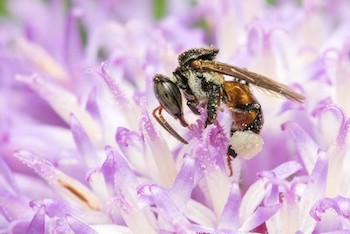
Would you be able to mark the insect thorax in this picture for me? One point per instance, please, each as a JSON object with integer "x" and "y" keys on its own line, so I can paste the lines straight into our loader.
{"x": 201, "y": 83}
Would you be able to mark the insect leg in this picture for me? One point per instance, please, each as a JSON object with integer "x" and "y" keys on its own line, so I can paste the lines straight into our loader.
{"x": 247, "y": 107}
{"x": 213, "y": 104}
{"x": 229, "y": 165}
{"x": 192, "y": 104}
{"x": 157, "y": 114}
{"x": 231, "y": 152}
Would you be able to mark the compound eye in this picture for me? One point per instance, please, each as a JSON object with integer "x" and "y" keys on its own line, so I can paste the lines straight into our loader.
{"x": 168, "y": 95}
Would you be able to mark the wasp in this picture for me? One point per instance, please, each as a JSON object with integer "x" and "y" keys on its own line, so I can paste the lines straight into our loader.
{"x": 201, "y": 81}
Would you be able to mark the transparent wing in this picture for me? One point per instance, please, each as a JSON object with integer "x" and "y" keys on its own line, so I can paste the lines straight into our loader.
{"x": 248, "y": 76}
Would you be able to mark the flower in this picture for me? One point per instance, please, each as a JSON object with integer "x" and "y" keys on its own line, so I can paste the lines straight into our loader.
{"x": 81, "y": 152}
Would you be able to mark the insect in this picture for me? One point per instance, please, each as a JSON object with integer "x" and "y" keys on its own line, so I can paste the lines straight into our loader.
{"x": 201, "y": 81}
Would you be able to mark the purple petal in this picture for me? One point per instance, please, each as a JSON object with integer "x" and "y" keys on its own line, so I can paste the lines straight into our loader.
{"x": 125, "y": 189}
{"x": 343, "y": 137}
{"x": 210, "y": 160}
{"x": 256, "y": 191}
{"x": 331, "y": 120}
{"x": 63, "y": 102}
{"x": 108, "y": 168}
{"x": 259, "y": 217}
{"x": 8, "y": 181}
{"x": 210, "y": 148}
{"x": 12, "y": 208}
{"x": 126, "y": 137}
{"x": 289, "y": 105}
{"x": 18, "y": 226}
{"x": 166, "y": 209}
{"x": 59, "y": 225}
{"x": 41, "y": 59}
{"x": 72, "y": 46}
{"x": 112, "y": 228}
{"x": 68, "y": 187}
{"x": 340, "y": 205}
{"x": 83, "y": 142}
{"x": 180, "y": 191}
{"x": 334, "y": 125}
{"x": 318, "y": 72}
{"x": 314, "y": 191}
{"x": 124, "y": 178}
{"x": 132, "y": 216}
{"x": 273, "y": 196}
{"x": 54, "y": 207}
{"x": 92, "y": 106}
{"x": 161, "y": 165}
{"x": 37, "y": 225}
{"x": 229, "y": 218}
{"x": 285, "y": 170}
{"x": 321, "y": 105}
{"x": 133, "y": 148}
{"x": 117, "y": 93}
{"x": 78, "y": 226}
{"x": 306, "y": 146}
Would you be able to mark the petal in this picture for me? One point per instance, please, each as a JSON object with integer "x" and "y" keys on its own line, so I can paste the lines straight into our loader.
{"x": 55, "y": 208}
{"x": 41, "y": 59}
{"x": 200, "y": 214}
{"x": 211, "y": 161}
{"x": 345, "y": 190}
{"x": 133, "y": 147}
{"x": 37, "y": 225}
{"x": 12, "y": 208}
{"x": 110, "y": 228}
{"x": 78, "y": 226}
{"x": 330, "y": 120}
{"x": 259, "y": 217}
{"x": 108, "y": 168}
{"x": 97, "y": 182}
{"x": 180, "y": 191}
{"x": 83, "y": 142}
{"x": 314, "y": 191}
{"x": 161, "y": 166}
{"x": 72, "y": 44}
{"x": 340, "y": 205}
{"x": 8, "y": 181}
{"x": 169, "y": 216}
{"x": 230, "y": 218}
{"x": 134, "y": 218}
{"x": 342, "y": 83}
{"x": 128, "y": 108}
{"x": 306, "y": 146}
{"x": 124, "y": 179}
{"x": 337, "y": 152}
{"x": 125, "y": 189}
{"x": 256, "y": 191}
{"x": 63, "y": 102}
{"x": 92, "y": 105}
{"x": 67, "y": 186}
{"x": 289, "y": 105}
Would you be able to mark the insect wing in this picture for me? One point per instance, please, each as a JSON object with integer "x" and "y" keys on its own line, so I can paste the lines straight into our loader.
{"x": 248, "y": 76}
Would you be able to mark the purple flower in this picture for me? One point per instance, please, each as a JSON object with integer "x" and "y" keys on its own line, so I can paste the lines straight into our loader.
{"x": 81, "y": 152}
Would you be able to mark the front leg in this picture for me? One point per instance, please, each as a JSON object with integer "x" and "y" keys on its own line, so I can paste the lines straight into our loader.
{"x": 192, "y": 104}
{"x": 213, "y": 103}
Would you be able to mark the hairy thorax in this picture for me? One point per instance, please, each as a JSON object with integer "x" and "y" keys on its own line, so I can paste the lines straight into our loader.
{"x": 201, "y": 83}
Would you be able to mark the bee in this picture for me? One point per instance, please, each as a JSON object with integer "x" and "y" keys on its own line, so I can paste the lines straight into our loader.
{"x": 201, "y": 81}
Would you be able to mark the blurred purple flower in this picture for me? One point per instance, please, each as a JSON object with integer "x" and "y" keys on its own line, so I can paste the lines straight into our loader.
{"x": 80, "y": 152}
